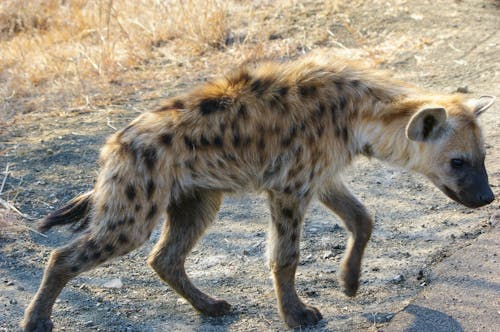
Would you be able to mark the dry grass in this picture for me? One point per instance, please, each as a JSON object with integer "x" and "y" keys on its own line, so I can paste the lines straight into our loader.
{"x": 93, "y": 53}
{"x": 56, "y": 40}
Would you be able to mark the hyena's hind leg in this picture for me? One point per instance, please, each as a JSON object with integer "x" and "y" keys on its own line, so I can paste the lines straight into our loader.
{"x": 359, "y": 223}
{"x": 104, "y": 240}
{"x": 187, "y": 219}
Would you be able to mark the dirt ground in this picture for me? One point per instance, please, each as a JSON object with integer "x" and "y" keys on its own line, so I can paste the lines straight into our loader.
{"x": 52, "y": 157}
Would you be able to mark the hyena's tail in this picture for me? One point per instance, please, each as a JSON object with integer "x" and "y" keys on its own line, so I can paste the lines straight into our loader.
{"x": 75, "y": 212}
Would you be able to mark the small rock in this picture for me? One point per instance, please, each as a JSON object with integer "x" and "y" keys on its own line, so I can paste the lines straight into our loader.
{"x": 463, "y": 89}
{"x": 420, "y": 275}
{"x": 246, "y": 252}
{"x": 328, "y": 254}
{"x": 9, "y": 283}
{"x": 12, "y": 301}
{"x": 88, "y": 323}
{"x": 83, "y": 286}
{"x": 379, "y": 318}
{"x": 181, "y": 301}
{"x": 398, "y": 279}
{"x": 113, "y": 283}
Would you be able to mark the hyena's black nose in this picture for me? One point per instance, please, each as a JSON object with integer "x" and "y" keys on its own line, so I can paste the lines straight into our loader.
{"x": 487, "y": 198}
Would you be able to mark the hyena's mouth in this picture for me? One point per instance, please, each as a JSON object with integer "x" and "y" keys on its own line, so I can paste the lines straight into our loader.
{"x": 455, "y": 196}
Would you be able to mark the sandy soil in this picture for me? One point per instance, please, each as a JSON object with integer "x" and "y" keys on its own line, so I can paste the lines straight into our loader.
{"x": 52, "y": 157}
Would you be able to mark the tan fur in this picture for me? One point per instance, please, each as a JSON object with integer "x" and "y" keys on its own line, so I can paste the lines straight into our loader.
{"x": 288, "y": 129}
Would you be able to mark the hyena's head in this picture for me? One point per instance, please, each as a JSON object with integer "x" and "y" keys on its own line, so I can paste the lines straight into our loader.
{"x": 451, "y": 149}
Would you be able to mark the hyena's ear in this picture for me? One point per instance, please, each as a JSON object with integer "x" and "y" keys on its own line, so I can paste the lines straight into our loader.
{"x": 478, "y": 106}
{"x": 424, "y": 124}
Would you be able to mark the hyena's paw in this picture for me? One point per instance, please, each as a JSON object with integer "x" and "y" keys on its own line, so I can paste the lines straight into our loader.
{"x": 349, "y": 282}
{"x": 301, "y": 315}
{"x": 214, "y": 308}
{"x": 39, "y": 325}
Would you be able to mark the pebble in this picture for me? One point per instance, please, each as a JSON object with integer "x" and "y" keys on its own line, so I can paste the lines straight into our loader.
{"x": 328, "y": 254}
{"x": 13, "y": 301}
{"x": 113, "y": 283}
{"x": 398, "y": 279}
{"x": 379, "y": 318}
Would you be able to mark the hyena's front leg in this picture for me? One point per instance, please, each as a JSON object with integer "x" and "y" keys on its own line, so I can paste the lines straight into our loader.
{"x": 188, "y": 218}
{"x": 287, "y": 213}
{"x": 359, "y": 223}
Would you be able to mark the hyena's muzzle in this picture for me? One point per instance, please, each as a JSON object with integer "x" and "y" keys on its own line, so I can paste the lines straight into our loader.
{"x": 472, "y": 187}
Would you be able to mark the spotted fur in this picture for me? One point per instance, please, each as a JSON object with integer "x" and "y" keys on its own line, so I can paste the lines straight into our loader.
{"x": 287, "y": 129}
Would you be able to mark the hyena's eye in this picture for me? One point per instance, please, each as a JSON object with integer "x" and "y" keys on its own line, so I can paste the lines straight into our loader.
{"x": 457, "y": 163}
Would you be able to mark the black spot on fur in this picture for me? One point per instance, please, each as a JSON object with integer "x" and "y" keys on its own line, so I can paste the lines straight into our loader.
{"x": 150, "y": 189}
{"x": 75, "y": 268}
{"x": 342, "y": 100}
{"x": 222, "y": 127}
{"x": 190, "y": 144}
{"x": 320, "y": 111}
{"x": 287, "y": 190}
{"x": 295, "y": 222}
{"x": 217, "y": 141}
{"x": 355, "y": 84}
{"x": 242, "y": 111}
{"x": 131, "y": 220}
{"x": 287, "y": 212}
{"x": 130, "y": 149}
{"x": 246, "y": 141}
{"x": 111, "y": 226}
{"x": 307, "y": 90}
{"x": 334, "y": 110}
{"x": 281, "y": 229}
{"x": 320, "y": 130}
{"x": 166, "y": 139}
{"x": 121, "y": 222}
{"x": 260, "y": 86}
{"x": 236, "y": 139}
{"x": 122, "y": 238}
{"x": 293, "y": 237}
{"x": 367, "y": 150}
{"x": 338, "y": 132}
{"x": 339, "y": 84}
{"x": 137, "y": 208}
{"x": 152, "y": 211}
{"x": 212, "y": 105}
{"x": 190, "y": 164}
{"x": 230, "y": 156}
{"x": 178, "y": 104}
{"x": 285, "y": 142}
{"x": 130, "y": 192}
{"x": 96, "y": 255}
{"x": 262, "y": 144}
{"x": 109, "y": 247}
{"x": 204, "y": 141}
{"x": 150, "y": 156}
{"x": 345, "y": 134}
{"x": 283, "y": 91}
{"x": 83, "y": 258}
{"x": 429, "y": 123}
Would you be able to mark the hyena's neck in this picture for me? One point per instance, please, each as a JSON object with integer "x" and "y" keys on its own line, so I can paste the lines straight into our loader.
{"x": 381, "y": 132}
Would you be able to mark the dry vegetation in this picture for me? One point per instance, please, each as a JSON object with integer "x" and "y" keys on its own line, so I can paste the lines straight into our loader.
{"x": 81, "y": 53}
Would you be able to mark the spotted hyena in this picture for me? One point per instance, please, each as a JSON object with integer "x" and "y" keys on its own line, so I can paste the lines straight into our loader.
{"x": 287, "y": 129}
